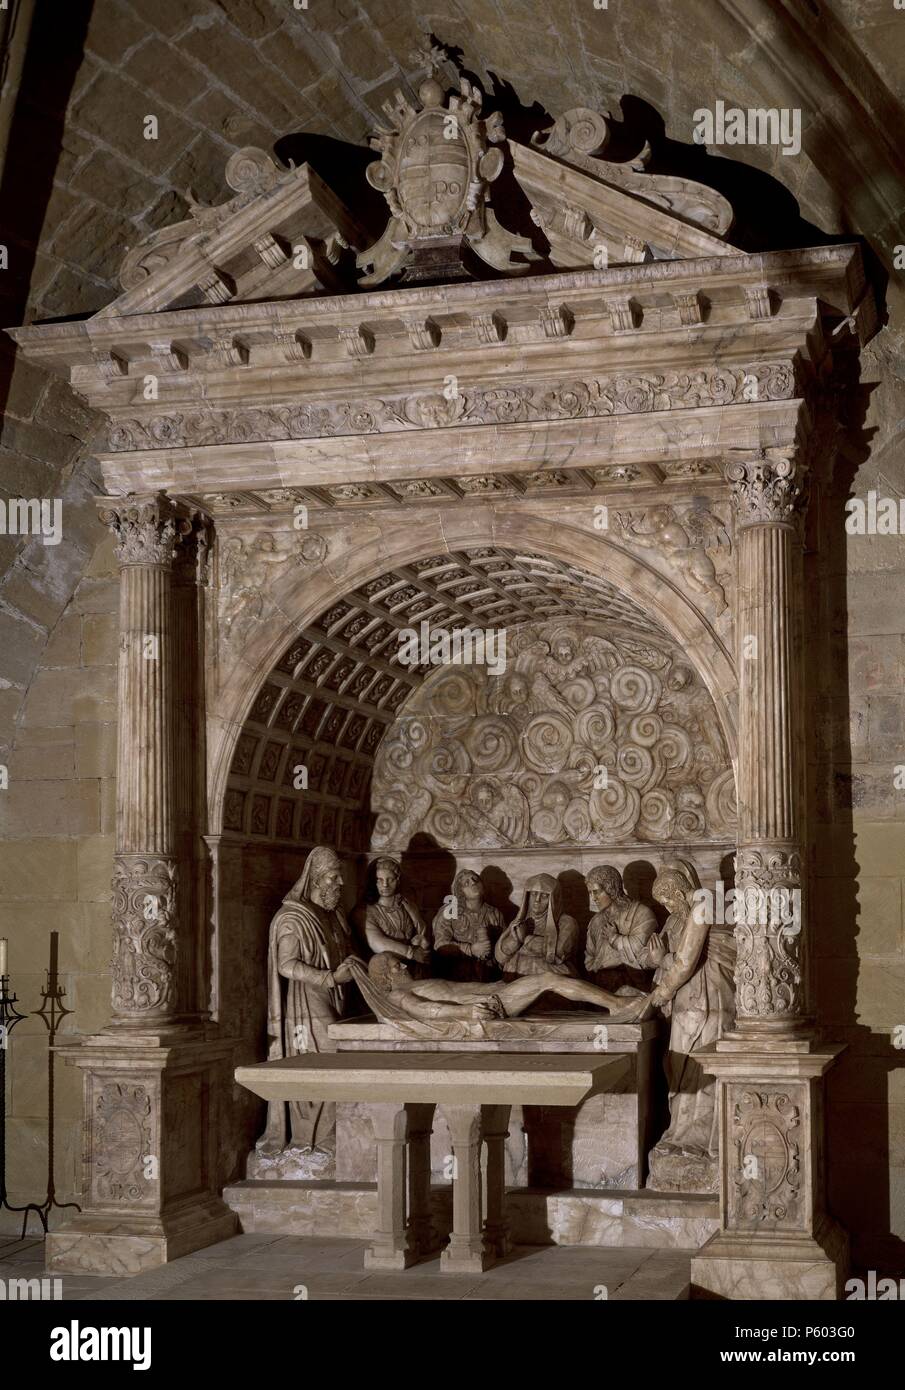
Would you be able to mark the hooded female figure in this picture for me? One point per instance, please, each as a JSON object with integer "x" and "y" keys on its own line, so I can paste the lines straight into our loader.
{"x": 307, "y": 966}
{"x": 542, "y": 937}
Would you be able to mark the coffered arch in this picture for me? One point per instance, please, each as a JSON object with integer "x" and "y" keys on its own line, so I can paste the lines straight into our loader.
{"x": 320, "y": 672}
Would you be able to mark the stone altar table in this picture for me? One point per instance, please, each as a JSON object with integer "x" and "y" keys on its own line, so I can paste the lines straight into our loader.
{"x": 601, "y": 1143}
{"x": 475, "y": 1093}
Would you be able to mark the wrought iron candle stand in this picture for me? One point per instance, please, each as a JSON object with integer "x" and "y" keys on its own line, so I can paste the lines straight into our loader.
{"x": 53, "y": 1013}
{"x": 9, "y": 1017}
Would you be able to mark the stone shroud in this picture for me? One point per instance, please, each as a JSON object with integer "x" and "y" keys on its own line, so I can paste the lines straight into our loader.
{"x": 573, "y": 390}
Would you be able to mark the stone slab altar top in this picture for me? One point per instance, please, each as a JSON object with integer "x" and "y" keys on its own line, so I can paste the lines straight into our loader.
{"x": 479, "y": 1079}
{"x": 553, "y": 1032}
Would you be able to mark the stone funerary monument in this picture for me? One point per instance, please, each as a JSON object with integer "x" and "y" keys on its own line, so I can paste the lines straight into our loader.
{"x": 464, "y": 903}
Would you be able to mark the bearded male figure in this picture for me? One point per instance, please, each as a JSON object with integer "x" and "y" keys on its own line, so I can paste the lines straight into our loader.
{"x": 308, "y": 963}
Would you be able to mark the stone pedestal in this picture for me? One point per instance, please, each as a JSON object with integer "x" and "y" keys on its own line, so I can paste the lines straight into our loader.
{"x": 152, "y": 1123}
{"x": 776, "y": 1240}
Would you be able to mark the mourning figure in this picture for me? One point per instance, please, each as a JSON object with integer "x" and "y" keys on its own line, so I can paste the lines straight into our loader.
{"x": 393, "y": 924}
{"x": 693, "y": 986}
{"x": 466, "y": 929}
{"x": 617, "y": 933}
{"x": 542, "y": 937}
{"x": 308, "y": 964}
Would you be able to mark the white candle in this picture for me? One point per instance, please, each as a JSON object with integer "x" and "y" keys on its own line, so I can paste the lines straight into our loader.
{"x": 3, "y": 944}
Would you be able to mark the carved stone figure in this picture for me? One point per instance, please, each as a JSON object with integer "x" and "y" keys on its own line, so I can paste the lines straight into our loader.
{"x": 694, "y": 986}
{"x": 542, "y": 938}
{"x": 395, "y": 996}
{"x": 393, "y": 923}
{"x": 617, "y": 933}
{"x": 683, "y": 542}
{"x": 466, "y": 929}
{"x": 308, "y": 963}
{"x": 244, "y": 571}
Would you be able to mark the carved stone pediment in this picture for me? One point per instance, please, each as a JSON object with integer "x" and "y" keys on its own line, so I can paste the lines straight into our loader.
{"x": 285, "y": 232}
{"x": 280, "y": 236}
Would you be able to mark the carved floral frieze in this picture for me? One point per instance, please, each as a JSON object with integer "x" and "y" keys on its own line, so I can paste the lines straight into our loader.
{"x": 144, "y": 935}
{"x": 573, "y": 399}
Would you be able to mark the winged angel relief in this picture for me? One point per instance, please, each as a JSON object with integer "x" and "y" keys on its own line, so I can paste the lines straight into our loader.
{"x": 244, "y": 573}
{"x": 584, "y": 740}
{"x": 683, "y": 541}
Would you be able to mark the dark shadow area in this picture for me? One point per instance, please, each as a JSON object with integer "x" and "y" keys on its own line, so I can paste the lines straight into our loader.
{"x": 52, "y": 60}
{"x": 858, "y": 1085}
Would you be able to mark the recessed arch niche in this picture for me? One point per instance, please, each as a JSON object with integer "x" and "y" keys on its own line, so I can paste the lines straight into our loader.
{"x": 453, "y": 766}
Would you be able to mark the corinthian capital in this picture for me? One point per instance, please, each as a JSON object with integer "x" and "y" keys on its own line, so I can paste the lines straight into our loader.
{"x": 146, "y": 528}
{"x": 767, "y": 490}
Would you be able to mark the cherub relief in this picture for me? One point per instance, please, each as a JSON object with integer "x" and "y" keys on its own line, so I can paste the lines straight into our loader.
{"x": 244, "y": 568}
{"x": 683, "y": 541}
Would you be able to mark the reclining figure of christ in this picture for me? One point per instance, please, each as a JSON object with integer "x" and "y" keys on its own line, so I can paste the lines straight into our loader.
{"x": 394, "y": 996}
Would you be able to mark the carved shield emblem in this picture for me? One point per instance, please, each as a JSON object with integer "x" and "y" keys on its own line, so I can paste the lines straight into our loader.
{"x": 434, "y": 174}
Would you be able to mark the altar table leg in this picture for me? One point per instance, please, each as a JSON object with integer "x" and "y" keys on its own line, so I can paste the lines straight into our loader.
{"x": 471, "y": 1249}
{"x": 496, "y": 1131}
{"x": 420, "y": 1218}
{"x": 394, "y": 1245}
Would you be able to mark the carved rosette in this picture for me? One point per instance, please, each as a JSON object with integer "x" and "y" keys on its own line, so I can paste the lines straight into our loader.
{"x": 766, "y": 1181}
{"x": 146, "y": 529}
{"x": 144, "y": 937}
{"x": 767, "y": 490}
{"x": 122, "y": 1143}
{"x": 768, "y": 973}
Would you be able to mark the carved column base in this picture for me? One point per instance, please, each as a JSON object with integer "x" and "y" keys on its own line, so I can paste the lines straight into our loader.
{"x": 776, "y": 1239}
{"x": 150, "y": 1162}
{"x": 792, "y": 1268}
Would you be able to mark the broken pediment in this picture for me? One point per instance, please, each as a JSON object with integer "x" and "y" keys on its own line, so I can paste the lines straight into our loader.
{"x": 282, "y": 236}
{"x": 287, "y": 235}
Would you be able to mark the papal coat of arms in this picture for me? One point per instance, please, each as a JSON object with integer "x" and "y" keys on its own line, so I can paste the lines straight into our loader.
{"x": 435, "y": 171}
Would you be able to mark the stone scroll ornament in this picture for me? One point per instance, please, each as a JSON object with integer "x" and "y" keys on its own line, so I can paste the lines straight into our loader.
{"x": 768, "y": 973}
{"x": 584, "y": 740}
{"x": 144, "y": 934}
{"x": 122, "y": 1139}
{"x": 767, "y": 489}
{"x": 570, "y": 399}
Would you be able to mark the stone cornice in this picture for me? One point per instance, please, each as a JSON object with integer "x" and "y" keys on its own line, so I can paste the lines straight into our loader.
{"x": 303, "y": 332}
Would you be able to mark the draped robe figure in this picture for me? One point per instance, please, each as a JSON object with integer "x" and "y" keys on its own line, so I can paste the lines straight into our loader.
{"x": 394, "y": 924}
{"x": 466, "y": 929}
{"x": 617, "y": 933}
{"x": 309, "y": 941}
{"x": 693, "y": 986}
{"x": 541, "y": 937}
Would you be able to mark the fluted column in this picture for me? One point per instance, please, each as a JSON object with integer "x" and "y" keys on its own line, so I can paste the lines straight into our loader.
{"x": 768, "y": 496}
{"x": 145, "y": 888}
